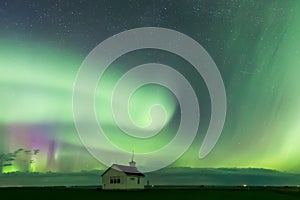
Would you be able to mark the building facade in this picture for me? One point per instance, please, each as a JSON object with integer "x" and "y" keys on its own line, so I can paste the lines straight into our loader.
{"x": 121, "y": 177}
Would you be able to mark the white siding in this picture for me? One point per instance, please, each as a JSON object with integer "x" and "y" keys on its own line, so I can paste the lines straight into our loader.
{"x": 126, "y": 182}
{"x": 113, "y": 173}
{"x": 135, "y": 182}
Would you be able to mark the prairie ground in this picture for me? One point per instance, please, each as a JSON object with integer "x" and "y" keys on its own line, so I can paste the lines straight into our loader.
{"x": 210, "y": 193}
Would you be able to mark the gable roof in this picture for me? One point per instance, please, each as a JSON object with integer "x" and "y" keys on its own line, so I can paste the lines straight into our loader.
{"x": 128, "y": 170}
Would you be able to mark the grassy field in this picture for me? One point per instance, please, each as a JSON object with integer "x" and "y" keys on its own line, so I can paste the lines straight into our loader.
{"x": 209, "y": 193}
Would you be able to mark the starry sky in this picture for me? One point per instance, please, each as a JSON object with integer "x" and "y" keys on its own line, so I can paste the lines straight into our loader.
{"x": 255, "y": 45}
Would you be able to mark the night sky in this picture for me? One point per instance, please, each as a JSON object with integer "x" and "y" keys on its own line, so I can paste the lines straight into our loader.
{"x": 255, "y": 45}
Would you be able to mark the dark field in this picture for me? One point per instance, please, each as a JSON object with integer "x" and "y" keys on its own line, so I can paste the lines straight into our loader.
{"x": 210, "y": 193}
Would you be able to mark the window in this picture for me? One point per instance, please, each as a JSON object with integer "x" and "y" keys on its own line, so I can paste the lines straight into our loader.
{"x": 115, "y": 179}
{"x": 138, "y": 180}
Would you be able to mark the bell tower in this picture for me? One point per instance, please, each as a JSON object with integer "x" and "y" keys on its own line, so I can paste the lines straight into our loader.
{"x": 132, "y": 162}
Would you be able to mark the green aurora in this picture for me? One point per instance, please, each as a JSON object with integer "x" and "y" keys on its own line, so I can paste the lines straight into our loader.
{"x": 255, "y": 45}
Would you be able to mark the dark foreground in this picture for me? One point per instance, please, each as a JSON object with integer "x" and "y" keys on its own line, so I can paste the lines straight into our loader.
{"x": 211, "y": 193}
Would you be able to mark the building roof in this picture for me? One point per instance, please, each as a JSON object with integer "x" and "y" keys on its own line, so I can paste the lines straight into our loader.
{"x": 128, "y": 170}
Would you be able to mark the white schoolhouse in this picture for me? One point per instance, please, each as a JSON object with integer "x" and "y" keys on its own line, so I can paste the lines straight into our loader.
{"x": 122, "y": 177}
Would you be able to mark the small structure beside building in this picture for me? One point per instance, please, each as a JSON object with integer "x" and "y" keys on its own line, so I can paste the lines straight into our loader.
{"x": 122, "y": 177}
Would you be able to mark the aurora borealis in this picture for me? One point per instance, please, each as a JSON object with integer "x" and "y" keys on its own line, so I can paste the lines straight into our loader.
{"x": 255, "y": 45}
